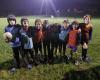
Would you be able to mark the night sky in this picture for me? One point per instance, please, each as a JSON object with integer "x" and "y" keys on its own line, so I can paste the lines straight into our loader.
{"x": 34, "y": 6}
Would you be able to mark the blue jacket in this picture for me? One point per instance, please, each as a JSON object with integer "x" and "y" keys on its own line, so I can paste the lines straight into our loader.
{"x": 26, "y": 38}
{"x": 14, "y": 30}
{"x": 63, "y": 33}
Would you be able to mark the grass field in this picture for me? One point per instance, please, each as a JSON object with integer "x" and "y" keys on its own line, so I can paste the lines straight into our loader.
{"x": 60, "y": 71}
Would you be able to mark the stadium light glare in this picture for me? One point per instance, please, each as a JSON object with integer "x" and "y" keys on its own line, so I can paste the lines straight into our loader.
{"x": 45, "y": 4}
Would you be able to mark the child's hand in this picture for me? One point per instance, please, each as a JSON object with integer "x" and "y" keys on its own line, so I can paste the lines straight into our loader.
{"x": 7, "y": 41}
{"x": 17, "y": 40}
{"x": 79, "y": 30}
{"x": 85, "y": 46}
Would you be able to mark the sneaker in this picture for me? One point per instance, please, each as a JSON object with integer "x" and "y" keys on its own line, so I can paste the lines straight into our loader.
{"x": 81, "y": 58}
{"x": 41, "y": 60}
{"x": 13, "y": 70}
{"x": 88, "y": 59}
{"x": 76, "y": 63}
{"x": 36, "y": 62}
{"x": 68, "y": 57}
{"x": 29, "y": 66}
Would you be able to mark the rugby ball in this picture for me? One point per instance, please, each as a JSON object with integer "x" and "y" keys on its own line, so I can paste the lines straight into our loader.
{"x": 7, "y": 36}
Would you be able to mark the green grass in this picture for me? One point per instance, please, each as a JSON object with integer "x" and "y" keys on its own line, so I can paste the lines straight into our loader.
{"x": 59, "y": 71}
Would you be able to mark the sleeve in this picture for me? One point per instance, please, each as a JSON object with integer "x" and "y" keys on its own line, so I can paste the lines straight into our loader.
{"x": 59, "y": 28}
{"x": 5, "y": 29}
{"x": 90, "y": 33}
{"x": 79, "y": 38}
{"x": 19, "y": 34}
{"x": 67, "y": 39}
{"x": 81, "y": 26}
{"x": 16, "y": 35}
{"x": 32, "y": 31}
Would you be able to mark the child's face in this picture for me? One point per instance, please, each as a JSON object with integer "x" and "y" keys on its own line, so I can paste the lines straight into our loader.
{"x": 12, "y": 22}
{"x": 87, "y": 20}
{"x": 25, "y": 23}
{"x": 45, "y": 23}
{"x": 65, "y": 24}
{"x": 74, "y": 26}
{"x": 39, "y": 25}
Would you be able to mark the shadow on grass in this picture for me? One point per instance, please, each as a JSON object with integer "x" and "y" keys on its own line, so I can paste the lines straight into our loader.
{"x": 10, "y": 63}
{"x": 89, "y": 74}
{"x": 6, "y": 65}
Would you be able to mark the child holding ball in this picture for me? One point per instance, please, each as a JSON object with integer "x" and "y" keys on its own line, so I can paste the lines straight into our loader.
{"x": 12, "y": 31}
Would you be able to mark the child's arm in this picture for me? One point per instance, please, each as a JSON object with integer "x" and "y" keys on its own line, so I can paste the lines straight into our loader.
{"x": 67, "y": 39}
{"x": 79, "y": 36}
{"x": 5, "y": 29}
{"x": 79, "y": 30}
{"x": 90, "y": 33}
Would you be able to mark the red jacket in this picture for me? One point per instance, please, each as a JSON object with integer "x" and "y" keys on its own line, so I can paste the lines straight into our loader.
{"x": 72, "y": 38}
{"x": 39, "y": 35}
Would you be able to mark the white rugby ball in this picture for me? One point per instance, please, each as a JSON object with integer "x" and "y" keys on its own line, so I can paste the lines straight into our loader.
{"x": 7, "y": 36}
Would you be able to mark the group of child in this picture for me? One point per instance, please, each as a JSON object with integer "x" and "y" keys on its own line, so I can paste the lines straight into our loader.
{"x": 38, "y": 44}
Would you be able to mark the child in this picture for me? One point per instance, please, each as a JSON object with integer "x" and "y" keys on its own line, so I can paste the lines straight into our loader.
{"x": 54, "y": 37}
{"x": 15, "y": 43}
{"x": 38, "y": 40}
{"x": 86, "y": 36}
{"x": 46, "y": 41}
{"x": 26, "y": 41}
{"x": 63, "y": 38}
{"x": 73, "y": 40}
